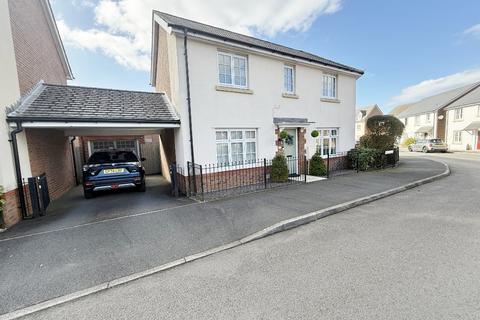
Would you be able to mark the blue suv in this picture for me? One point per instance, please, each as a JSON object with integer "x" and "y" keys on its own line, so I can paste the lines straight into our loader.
{"x": 111, "y": 170}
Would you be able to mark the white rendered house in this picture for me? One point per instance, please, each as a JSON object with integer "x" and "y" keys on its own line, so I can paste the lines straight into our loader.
{"x": 242, "y": 91}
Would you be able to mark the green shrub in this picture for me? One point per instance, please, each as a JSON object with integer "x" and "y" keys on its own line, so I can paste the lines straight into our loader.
{"x": 383, "y": 132}
{"x": 365, "y": 158}
{"x": 315, "y": 133}
{"x": 2, "y": 203}
{"x": 283, "y": 135}
{"x": 279, "y": 170}
{"x": 409, "y": 141}
{"x": 317, "y": 166}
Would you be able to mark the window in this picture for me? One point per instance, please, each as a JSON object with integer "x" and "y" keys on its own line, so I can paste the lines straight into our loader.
{"x": 359, "y": 127}
{"x": 478, "y": 111}
{"x": 457, "y": 136}
{"x": 428, "y": 116}
{"x": 458, "y": 115}
{"x": 236, "y": 146}
{"x": 327, "y": 141}
{"x": 289, "y": 79}
{"x": 329, "y": 86}
{"x": 107, "y": 145}
{"x": 232, "y": 70}
{"x": 406, "y": 121}
{"x": 417, "y": 120}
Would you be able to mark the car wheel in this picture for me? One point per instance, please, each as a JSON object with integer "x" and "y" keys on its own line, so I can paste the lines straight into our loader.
{"x": 410, "y": 149}
{"x": 88, "y": 194}
{"x": 424, "y": 150}
{"x": 142, "y": 187}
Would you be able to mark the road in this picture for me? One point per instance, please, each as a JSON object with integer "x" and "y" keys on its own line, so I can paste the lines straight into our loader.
{"x": 415, "y": 255}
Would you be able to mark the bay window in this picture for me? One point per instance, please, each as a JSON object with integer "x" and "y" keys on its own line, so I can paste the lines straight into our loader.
{"x": 329, "y": 86}
{"x": 232, "y": 70}
{"x": 327, "y": 141}
{"x": 236, "y": 146}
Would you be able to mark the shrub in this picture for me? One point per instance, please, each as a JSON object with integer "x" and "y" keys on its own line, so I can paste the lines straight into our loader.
{"x": 317, "y": 166}
{"x": 315, "y": 133}
{"x": 365, "y": 158}
{"x": 382, "y": 132}
{"x": 283, "y": 135}
{"x": 279, "y": 170}
{"x": 409, "y": 141}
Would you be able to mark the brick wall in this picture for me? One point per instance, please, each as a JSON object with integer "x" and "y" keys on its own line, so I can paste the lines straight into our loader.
{"x": 35, "y": 51}
{"x": 50, "y": 153}
{"x": 11, "y": 209}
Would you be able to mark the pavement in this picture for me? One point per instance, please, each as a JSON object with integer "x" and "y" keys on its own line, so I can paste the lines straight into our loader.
{"x": 414, "y": 255}
{"x": 61, "y": 259}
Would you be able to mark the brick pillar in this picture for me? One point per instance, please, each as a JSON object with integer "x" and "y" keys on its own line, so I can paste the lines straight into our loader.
{"x": 301, "y": 143}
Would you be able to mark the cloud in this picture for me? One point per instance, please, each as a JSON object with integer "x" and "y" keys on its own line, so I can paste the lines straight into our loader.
{"x": 473, "y": 31}
{"x": 434, "y": 86}
{"x": 123, "y": 27}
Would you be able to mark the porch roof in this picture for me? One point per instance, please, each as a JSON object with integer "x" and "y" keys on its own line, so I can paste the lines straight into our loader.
{"x": 424, "y": 129}
{"x": 474, "y": 125}
{"x": 60, "y": 103}
{"x": 299, "y": 122}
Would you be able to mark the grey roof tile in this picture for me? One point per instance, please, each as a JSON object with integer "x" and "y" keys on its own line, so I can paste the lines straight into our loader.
{"x": 47, "y": 102}
{"x": 181, "y": 23}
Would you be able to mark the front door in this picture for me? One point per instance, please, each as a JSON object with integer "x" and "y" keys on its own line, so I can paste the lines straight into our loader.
{"x": 290, "y": 147}
{"x": 478, "y": 140}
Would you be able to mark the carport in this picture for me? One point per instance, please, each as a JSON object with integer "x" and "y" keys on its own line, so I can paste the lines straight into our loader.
{"x": 56, "y": 127}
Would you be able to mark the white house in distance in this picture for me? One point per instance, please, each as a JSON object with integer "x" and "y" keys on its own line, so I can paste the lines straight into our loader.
{"x": 363, "y": 114}
{"x": 242, "y": 91}
{"x": 427, "y": 118}
{"x": 463, "y": 122}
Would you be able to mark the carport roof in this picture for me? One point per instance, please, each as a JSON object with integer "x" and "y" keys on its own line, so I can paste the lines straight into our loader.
{"x": 48, "y": 102}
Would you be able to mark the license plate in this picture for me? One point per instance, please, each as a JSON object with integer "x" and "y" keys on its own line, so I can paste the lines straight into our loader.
{"x": 110, "y": 171}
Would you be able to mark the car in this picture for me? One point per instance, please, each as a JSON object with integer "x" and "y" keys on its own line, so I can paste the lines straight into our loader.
{"x": 111, "y": 170}
{"x": 428, "y": 145}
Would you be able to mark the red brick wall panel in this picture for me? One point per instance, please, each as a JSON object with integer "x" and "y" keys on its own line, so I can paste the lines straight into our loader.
{"x": 35, "y": 51}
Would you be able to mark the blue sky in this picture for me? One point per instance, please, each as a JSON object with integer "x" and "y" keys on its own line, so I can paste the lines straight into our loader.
{"x": 408, "y": 49}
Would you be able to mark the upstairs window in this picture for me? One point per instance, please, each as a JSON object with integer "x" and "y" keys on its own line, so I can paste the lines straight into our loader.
{"x": 232, "y": 70}
{"x": 429, "y": 118}
{"x": 417, "y": 120}
{"x": 458, "y": 115}
{"x": 289, "y": 79}
{"x": 329, "y": 86}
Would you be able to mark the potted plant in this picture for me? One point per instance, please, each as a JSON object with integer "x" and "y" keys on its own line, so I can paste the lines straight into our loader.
{"x": 285, "y": 137}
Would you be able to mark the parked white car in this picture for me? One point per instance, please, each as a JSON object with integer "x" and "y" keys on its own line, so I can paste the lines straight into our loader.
{"x": 428, "y": 145}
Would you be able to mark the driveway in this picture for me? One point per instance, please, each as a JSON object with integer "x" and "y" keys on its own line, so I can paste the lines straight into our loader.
{"x": 72, "y": 209}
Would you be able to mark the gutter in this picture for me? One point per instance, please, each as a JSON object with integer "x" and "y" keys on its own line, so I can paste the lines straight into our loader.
{"x": 18, "y": 170}
{"x": 189, "y": 102}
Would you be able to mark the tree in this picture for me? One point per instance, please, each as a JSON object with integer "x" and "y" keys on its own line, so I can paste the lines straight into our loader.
{"x": 382, "y": 132}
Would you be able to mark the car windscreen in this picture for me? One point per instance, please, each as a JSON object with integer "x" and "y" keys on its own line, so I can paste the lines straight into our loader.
{"x": 436, "y": 141}
{"x": 112, "y": 157}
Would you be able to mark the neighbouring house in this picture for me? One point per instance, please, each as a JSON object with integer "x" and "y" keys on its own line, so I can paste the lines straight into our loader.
{"x": 31, "y": 50}
{"x": 363, "y": 114}
{"x": 427, "y": 118}
{"x": 235, "y": 93}
{"x": 463, "y": 122}
{"x": 51, "y": 128}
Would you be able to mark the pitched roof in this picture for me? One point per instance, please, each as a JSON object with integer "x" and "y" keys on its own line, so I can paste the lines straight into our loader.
{"x": 473, "y": 97}
{"x": 399, "y": 109}
{"x": 367, "y": 110}
{"x": 47, "y": 102}
{"x": 436, "y": 102}
{"x": 222, "y": 34}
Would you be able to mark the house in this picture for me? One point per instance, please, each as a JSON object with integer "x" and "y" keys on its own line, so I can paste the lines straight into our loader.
{"x": 427, "y": 118}
{"x": 363, "y": 114}
{"x": 31, "y": 50}
{"x": 236, "y": 93}
{"x": 463, "y": 122}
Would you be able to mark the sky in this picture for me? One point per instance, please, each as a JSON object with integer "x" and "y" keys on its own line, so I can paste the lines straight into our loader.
{"x": 409, "y": 49}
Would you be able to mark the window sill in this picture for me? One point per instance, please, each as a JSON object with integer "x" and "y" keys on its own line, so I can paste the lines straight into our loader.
{"x": 457, "y": 120}
{"x": 330, "y": 100}
{"x": 233, "y": 89}
{"x": 290, "y": 95}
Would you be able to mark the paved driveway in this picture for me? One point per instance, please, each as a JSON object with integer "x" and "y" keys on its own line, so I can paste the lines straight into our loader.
{"x": 73, "y": 209}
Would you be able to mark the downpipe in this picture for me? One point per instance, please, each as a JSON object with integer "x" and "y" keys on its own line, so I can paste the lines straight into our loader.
{"x": 74, "y": 161}
{"x": 18, "y": 170}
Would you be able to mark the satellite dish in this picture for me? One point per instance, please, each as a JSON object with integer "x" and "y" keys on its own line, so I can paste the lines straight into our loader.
{"x": 441, "y": 117}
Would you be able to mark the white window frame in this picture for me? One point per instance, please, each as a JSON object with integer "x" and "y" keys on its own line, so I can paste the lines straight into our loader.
{"x": 428, "y": 118}
{"x": 285, "y": 89}
{"x": 457, "y": 137}
{"x": 232, "y": 70}
{"x": 244, "y": 142}
{"x": 325, "y": 89}
{"x": 458, "y": 114}
{"x": 322, "y": 136}
{"x": 478, "y": 110}
{"x": 417, "y": 120}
